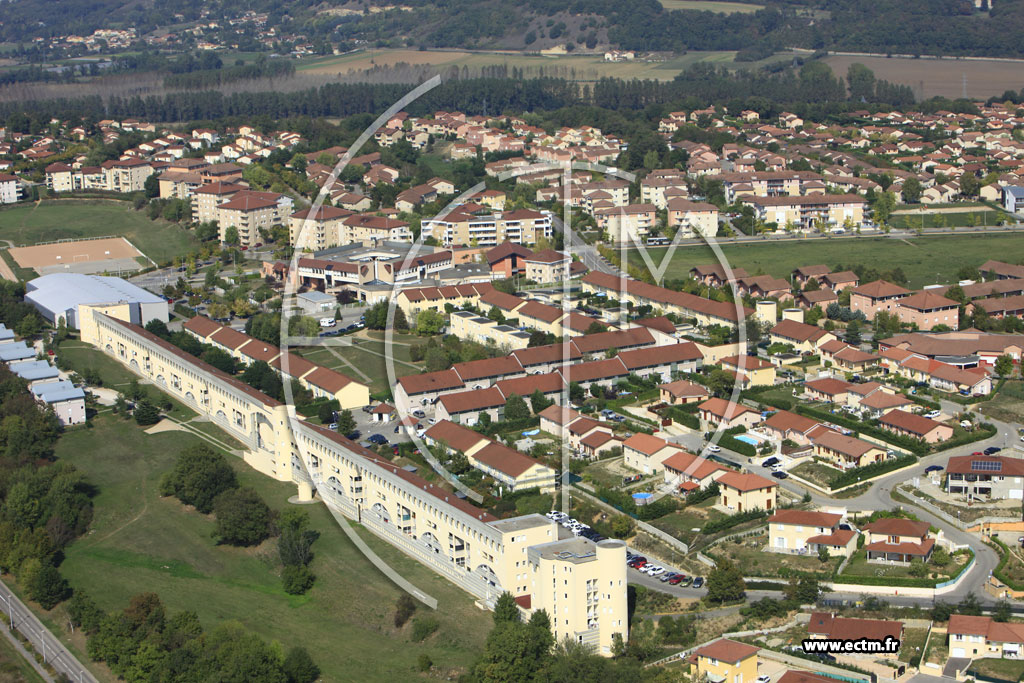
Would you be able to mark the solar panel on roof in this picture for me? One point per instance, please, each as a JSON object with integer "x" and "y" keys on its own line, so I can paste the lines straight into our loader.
{"x": 987, "y": 465}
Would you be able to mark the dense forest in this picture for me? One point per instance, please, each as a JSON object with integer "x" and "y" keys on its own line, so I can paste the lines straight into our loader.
{"x": 813, "y": 91}
{"x": 904, "y": 26}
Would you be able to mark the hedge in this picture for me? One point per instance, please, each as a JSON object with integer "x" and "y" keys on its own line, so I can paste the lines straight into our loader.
{"x": 934, "y": 405}
{"x": 723, "y": 523}
{"x": 183, "y": 310}
{"x": 868, "y": 471}
{"x": 765, "y": 586}
{"x": 983, "y": 431}
{"x": 1004, "y": 559}
{"x": 734, "y": 444}
{"x": 683, "y": 417}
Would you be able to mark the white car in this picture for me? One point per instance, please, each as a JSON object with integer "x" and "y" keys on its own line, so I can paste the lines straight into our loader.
{"x": 712, "y": 448}
{"x": 764, "y": 679}
{"x": 933, "y": 414}
{"x": 655, "y": 571}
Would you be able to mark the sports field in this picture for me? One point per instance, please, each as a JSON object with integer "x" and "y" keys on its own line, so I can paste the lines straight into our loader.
{"x": 81, "y": 256}
{"x": 141, "y": 542}
{"x": 577, "y": 67}
{"x": 925, "y": 260}
{"x": 947, "y": 77}
{"x": 711, "y": 6}
{"x": 69, "y": 219}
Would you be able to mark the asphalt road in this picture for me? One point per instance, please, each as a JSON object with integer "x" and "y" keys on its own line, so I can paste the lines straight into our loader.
{"x": 42, "y": 640}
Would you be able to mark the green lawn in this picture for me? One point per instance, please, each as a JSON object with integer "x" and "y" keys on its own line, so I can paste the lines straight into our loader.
{"x": 1001, "y": 669}
{"x": 925, "y": 260}
{"x": 1008, "y": 404}
{"x": 983, "y": 215}
{"x": 859, "y": 566}
{"x": 141, "y": 542}
{"x": 26, "y": 224}
{"x": 369, "y": 357}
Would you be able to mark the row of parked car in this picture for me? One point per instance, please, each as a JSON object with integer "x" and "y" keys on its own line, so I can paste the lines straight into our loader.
{"x": 640, "y": 563}
{"x": 575, "y": 526}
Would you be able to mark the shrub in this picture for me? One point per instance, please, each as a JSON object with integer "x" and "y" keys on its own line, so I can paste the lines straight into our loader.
{"x": 423, "y": 627}
{"x": 296, "y": 579}
{"x": 199, "y": 476}
{"x": 404, "y": 608}
{"x": 424, "y": 663}
{"x": 299, "y": 667}
{"x": 242, "y": 517}
{"x": 146, "y": 413}
{"x": 868, "y": 471}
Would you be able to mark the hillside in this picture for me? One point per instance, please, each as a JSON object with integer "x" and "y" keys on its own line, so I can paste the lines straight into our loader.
{"x": 901, "y": 26}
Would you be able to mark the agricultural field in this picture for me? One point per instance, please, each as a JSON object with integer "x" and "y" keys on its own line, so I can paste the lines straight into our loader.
{"x": 946, "y": 77}
{"x": 577, "y": 67}
{"x": 26, "y": 224}
{"x": 711, "y": 6}
{"x": 925, "y": 260}
{"x": 141, "y": 542}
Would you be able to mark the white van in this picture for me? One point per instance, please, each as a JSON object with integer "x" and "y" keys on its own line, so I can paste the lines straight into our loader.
{"x": 326, "y": 322}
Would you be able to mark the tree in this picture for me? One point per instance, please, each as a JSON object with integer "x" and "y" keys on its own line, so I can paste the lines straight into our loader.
{"x": 853, "y": 333}
{"x": 823, "y": 553}
{"x": 918, "y": 568}
{"x": 146, "y": 413}
{"x": 911, "y": 190}
{"x": 346, "y": 423}
{"x": 299, "y": 667}
{"x": 242, "y": 517}
{"x": 296, "y": 579}
{"x": 539, "y": 401}
{"x": 505, "y": 609}
{"x": 969, "y": 605}
{"x": 1004, "y": 365}
{"x": 515, "y": 408}
{"x": 576, "y": 394}
{"x": 940, "y": 556}
{"x": 1003, "y": 611}
{"x": 596, "y": 390}
{"x": 429, "y": 322}
{"x": 594, "y": 328}
{"x": 803, "y": 590}
{"x": 48, "y": 587}
{"x": 325, "y": 413}
{"x": 231, "y": 236}
{"x": 720, "y": 382}
{"x": 725, "y": 583}
{"x": 199, "y": 476}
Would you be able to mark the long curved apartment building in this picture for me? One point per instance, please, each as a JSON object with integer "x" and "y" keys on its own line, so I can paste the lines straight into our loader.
{"x": 582, "y": 585}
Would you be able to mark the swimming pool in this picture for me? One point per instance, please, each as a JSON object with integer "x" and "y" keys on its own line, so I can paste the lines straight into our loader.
{"x": 748, "y": 439}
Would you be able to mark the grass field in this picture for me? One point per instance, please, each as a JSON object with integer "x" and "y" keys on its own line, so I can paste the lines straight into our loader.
{"x": 711, "y": 6}
{"x": 912, "y": 643}
{"x": 925, "y": 260}
{"x": 27, "y": 224}
{"x": 931, "y": 77}
{"x": 1008, "y": 405}
{"x": 13, "y": 667}
{"x": 576, "y": 67}
{"x": 816, "y": 473}
{"x": 366, "y": 360}
{"x": 974, "y": 217}
{"x": 141, "y": 542}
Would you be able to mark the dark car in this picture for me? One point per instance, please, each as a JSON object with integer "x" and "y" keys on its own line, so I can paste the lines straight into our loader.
{"x": 933, "y": 468}
{"x": 770, "y": 461}
{"x": 378, "y": 439}
{"x": 353, "y": 436}
{"x": 698, "y": 581}
{"x": 992, "y": 450}
{"x": 780, "y": 475}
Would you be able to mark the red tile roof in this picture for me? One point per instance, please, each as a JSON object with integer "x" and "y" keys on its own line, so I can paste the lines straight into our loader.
{"x": 745, "y": 481}
{"x": 726, "y": 650}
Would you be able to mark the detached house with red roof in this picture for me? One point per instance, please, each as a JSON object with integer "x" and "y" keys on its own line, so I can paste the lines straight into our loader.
{"x": 725, "y": 661}
{"x": 740, "y": 492}
{"x": 717, "y": 411}
{"x": 687, "y": 472}
{"x": 915, "y": 426}
{"x": 804, "y": 531}
{"x": 894, "y": 540}
{"x": 646, "y": 453}
{"x": 825, "y": 625}
{"x": 972, "y": 637}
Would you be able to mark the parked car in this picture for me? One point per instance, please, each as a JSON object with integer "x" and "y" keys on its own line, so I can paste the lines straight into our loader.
{"x": 770, "y": 462}
{"x": 713, "y": 448}
{"x": 378, "y": 439}
{"x": 932, "y": 414}
{"x": 666, "y": 576}
{"x": 780, "y": 475}
{"x": 698, "y": 581}
{"x": 933, "y": 468}
{"x": 764, "y": 679}
{"x": 675, "y": 580}
{"x": 352, "y": 436}
{"x": 992, "y": 450}
{"x": 686, "y": 581}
